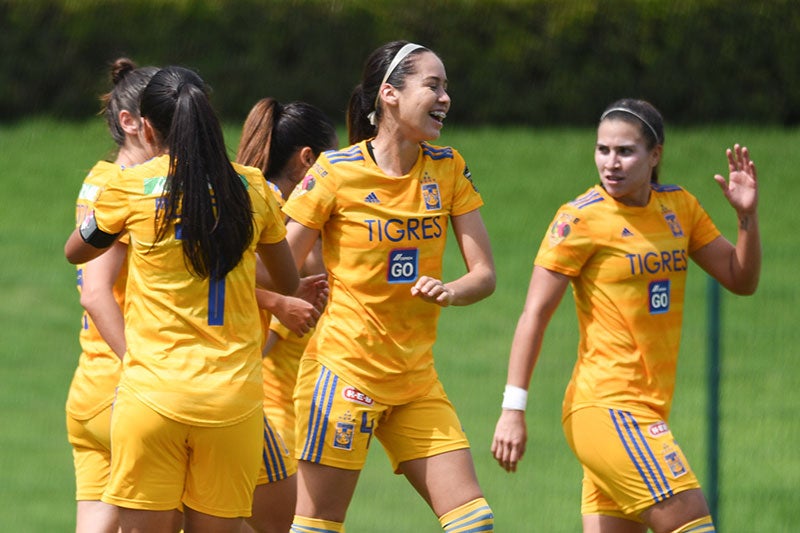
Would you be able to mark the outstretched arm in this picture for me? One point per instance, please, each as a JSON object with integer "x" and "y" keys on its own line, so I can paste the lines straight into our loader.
{"x": 544, "y": 294}
{"x": 737, "y": 267}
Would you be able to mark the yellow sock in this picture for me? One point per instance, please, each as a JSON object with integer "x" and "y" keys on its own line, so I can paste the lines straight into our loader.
{"x": 469, "y": 518}
{"x": 303, "y": 524}
{"x": 701, "y": 525}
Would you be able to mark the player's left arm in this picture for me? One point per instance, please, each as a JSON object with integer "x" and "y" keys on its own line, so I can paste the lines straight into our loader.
{"x": 737, "y": 267}
{"x": 480, "y": 279}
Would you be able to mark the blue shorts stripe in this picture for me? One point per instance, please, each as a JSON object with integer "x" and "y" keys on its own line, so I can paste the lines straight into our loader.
{"x": 321, "y": 404}
{"x": 667, "y": 490}
{"x": 325, "y": 412}
{"x": 616, "y": 417}
{"x": 312, "y": 420}
{"x": 273, "y": 458}
{"x": 641, "y": 448}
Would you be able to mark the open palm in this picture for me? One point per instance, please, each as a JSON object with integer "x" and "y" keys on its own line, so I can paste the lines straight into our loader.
{"x": 741, "y": 188}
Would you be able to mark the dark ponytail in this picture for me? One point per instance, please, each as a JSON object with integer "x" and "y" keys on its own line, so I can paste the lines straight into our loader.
{"x": 203, "y": 193}
{"x": 274, "y": 132}
{"x": 256, "y": 138}
{"x": 358, "y": 109}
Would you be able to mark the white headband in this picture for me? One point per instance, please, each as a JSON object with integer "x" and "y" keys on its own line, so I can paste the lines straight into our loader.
{"x": 398, "y": 57}
{"x": 635, "y": 114}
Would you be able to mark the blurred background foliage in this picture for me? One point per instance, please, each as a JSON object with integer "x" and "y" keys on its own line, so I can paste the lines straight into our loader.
{"x": 524, "y": 62}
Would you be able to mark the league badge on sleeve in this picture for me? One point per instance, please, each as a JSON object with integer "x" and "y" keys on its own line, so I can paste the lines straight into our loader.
{"x": 468, "y": 175}
{"x": 308, "y": 183}
{"x": 560, "y": 229}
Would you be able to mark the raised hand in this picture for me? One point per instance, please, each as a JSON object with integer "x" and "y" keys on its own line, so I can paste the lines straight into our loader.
{"x": 741, "y": 188}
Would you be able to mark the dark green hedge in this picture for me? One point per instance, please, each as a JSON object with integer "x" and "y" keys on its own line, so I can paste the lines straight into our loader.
{"x": 509, "y": 62}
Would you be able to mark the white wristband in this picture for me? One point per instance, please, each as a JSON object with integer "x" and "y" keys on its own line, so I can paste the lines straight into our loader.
{"x": 515, "y": 398}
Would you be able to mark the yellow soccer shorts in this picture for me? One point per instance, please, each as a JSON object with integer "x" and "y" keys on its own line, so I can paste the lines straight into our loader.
{"x": 336, "y": 422}
{"x": 91, "y": 453}
{"x": 158, "y": 463}
{"x": 630, "y": 461}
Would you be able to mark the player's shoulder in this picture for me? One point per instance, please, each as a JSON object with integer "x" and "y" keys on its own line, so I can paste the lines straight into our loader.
{"x": 102, "y": 170}
{"x": 667, "y": 188}
{"x": 154, "y": 167}
{"x": 98, "y": 177}
{"x": 674, "y": 195}
{"x": 354, "y": 153}
{"x": 248, "y": 175}
{"x": 437, "y": 153}
{"x": 148, "y": 178}
{"x": 589, "y": 201}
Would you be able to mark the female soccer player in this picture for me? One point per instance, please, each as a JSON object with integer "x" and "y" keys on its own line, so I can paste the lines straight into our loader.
{"x": 101, "y": 283}
{"x": 382, "y": 207}
{"x": 283, "y": 141}
{"x": 625, "y": 246}
{"x": 187, "y": 423}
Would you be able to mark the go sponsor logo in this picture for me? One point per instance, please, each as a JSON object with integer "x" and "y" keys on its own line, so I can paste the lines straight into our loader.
{"x": 403, "y": 265}
{"x": 659, "y": 296}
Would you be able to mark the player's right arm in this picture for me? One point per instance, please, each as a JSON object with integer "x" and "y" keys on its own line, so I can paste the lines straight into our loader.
{"x": 301, "y": 240}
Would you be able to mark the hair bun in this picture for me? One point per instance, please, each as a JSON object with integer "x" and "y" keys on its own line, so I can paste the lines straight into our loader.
{"x": 120, "y": 68}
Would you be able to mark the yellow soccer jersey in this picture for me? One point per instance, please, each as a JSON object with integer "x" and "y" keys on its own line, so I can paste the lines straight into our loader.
{"x": 193, "y": 346}
{"x": 379, "y": 235}
{"x": 97, "y": 374}
{"x": 628, "y": 267}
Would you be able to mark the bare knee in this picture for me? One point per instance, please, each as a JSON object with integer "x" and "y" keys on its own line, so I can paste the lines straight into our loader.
{"x": 676, "y": 511}
{"x": 596, "y": 523}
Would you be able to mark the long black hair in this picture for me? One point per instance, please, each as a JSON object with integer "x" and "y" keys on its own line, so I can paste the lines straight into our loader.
{"x": 203, "y": 192}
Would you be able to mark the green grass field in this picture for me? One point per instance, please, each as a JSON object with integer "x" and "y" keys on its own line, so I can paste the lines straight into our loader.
{"x": 524, "y": 175}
